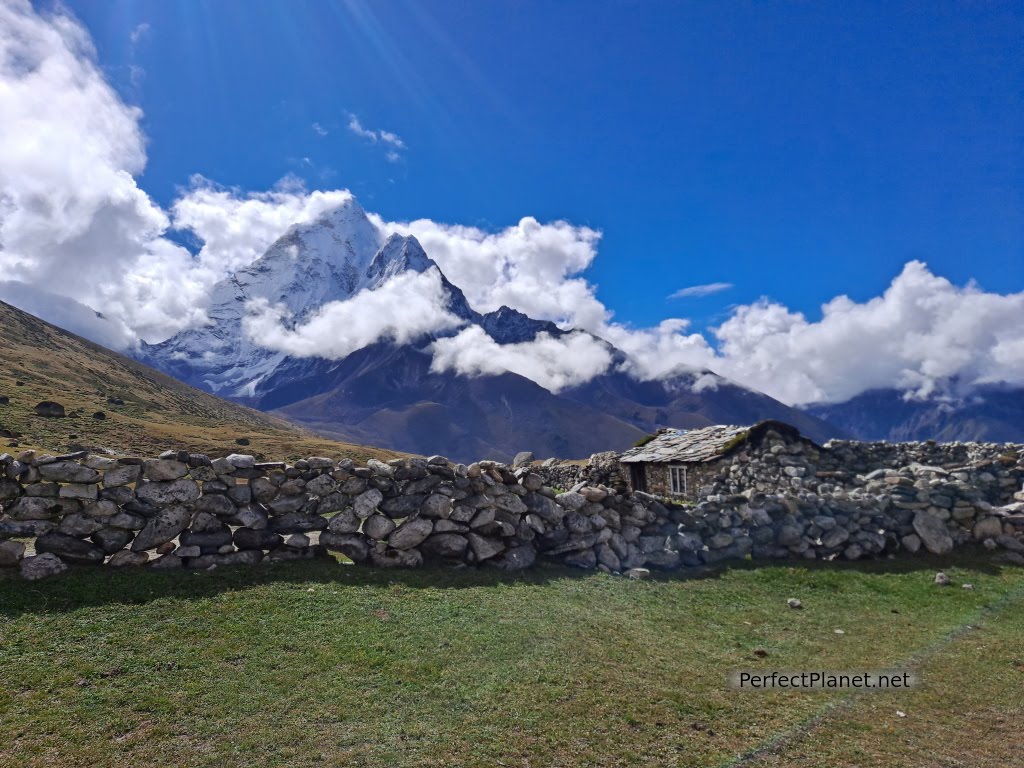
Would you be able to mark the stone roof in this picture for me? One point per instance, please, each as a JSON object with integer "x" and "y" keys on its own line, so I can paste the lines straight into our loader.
{"x": 701, "y": 445}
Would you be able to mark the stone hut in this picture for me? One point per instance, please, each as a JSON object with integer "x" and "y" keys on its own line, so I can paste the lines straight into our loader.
{"x": 679, "y": 463}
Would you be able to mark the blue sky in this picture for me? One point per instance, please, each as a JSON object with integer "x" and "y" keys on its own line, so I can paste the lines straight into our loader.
{"x": 796, "y": 150}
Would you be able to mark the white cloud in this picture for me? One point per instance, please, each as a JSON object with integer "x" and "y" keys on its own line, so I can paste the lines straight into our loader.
{"x": 920, "y": 335}
{"x": 236, "y": 227}
{"x": 385, "y": 137}
{"x": 403, "y": 309}
{"x": 554, "y": 363}
{"x": 532, "y": 267}
{"x": 319, "y": 130}
{"x": 72, "y": 218}
{"x": 140, "y": 31}
{"x": 699, "y": 291}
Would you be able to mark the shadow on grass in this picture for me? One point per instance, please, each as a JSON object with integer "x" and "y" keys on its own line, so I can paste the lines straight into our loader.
{"x": 85, "y": 586}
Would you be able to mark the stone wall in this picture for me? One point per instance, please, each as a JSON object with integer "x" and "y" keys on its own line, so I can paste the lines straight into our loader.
{"x": 187, "y": 511}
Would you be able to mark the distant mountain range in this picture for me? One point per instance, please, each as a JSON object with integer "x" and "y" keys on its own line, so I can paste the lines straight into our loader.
{"x": 991, "y": 413}
{"x": 388, "y": 395}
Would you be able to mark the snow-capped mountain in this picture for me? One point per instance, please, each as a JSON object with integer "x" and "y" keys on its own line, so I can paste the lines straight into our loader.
{"x": 329, "y": 259}
{"x": 389, "y": 394}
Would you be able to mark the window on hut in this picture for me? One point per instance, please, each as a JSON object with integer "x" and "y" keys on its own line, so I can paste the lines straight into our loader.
{"x": 677, "y": 480}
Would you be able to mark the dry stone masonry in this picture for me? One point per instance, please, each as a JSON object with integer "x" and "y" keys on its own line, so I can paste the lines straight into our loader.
{"x": 775, "y": 500}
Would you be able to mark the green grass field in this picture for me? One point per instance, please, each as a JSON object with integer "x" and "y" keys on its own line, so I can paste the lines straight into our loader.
{"x": 310, "y": 664}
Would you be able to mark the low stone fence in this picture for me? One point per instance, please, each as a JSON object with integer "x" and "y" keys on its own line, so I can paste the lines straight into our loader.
{"x": 185, "y": 510}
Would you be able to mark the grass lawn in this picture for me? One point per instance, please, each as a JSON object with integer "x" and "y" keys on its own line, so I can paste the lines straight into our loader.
{"x": 311, "y": 664}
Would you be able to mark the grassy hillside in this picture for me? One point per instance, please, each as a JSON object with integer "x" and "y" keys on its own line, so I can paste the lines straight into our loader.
{"x": 316, "y": 664}
{"x": 144, "y": 410}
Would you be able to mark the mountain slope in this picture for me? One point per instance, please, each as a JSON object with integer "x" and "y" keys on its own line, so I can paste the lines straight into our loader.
{"x": 39, "y": 361}
{"x": 388, "y": 393}
{"x": 991, "y": 413}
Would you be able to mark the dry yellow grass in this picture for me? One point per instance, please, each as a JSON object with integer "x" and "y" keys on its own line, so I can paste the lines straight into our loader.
{"x": 39, "y": 361}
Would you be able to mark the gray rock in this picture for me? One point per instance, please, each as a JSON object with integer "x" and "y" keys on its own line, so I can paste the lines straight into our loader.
{"x": 164, "y": 527}
{"x": 380, "y": 468}
{"x": 41, "y": 567}
{"x": 378, "y": 526}
{"x": 68, "y": 472}
{"x": 126, "y": 521}
{"x": 410, "y": 534}
{"x": 834, "y": 538}
{"x": 532, "y": 481}
{"x": 333, "y": 502}
{"x": 204, "y": 522}
{"x": 103, "y": 509}
{"x": 79, "y": 491}
{"x": 69, "y": 548}
{"x": 484, "y": 548}
{"x": 241, "y": 460}
{"x": 570, "y": 501}
{"x": 179, "y": 491}
{"x": 515, "y": 559}
{"x": 522, "y": 459}
{"x": 249, "y": 538}
{"x": 987, "y": 528}
{"x": 322, "y": 485}
{"x": 911, "y": 542}
{"x": 112, "y": 540}
{"x": 10, "y": 490}
{"x": 262, "y": 490}
{"x": 297, "y": 522}
{"x": 401, "y": 506}
{"x": 436, "y": 505}
{"x": 164, "y": 469}
{"x": 1010, "y": 543}
{"x": 126, "y": 559}
{"x": 344, "y": 522}
{"x": 285, "y": 504}
{"x": 933, "y": 532}
{"x": 167, "y": 562}
{"x": 353, "y": 546}
{"x": 250, "y": 516}
{"x": 365, "y": 504}
{"x": 11, "y": 553}
{"x": 77, "y": 524}
{"x": 448, "y": 545}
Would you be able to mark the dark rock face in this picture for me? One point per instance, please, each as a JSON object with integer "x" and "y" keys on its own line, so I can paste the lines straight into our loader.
{"x": 69, "y": 548}
{"x": 50, "y": 410}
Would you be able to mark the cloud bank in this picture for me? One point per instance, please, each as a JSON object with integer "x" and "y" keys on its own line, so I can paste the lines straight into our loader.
{"x": 554, "y": 363}
{"x": 403, "y": 309}
{"x": 77, "y": 235}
